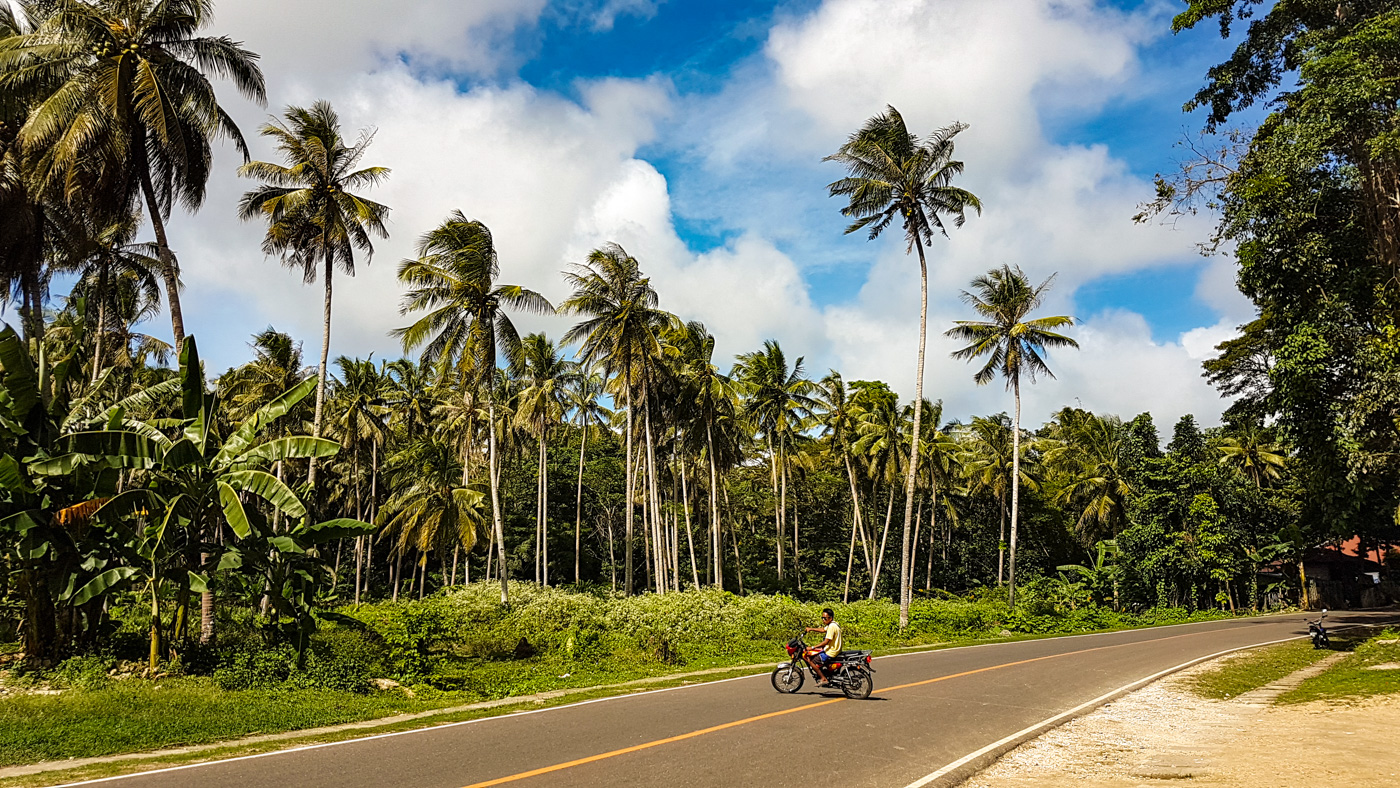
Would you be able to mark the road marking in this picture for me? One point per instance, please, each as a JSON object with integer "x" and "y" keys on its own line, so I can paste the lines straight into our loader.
{"x": 648, "y": 745}
{"x": 1051, "y": 722}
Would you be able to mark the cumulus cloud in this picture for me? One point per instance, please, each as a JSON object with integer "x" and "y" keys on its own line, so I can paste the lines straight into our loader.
{"x": 556, "y": 175}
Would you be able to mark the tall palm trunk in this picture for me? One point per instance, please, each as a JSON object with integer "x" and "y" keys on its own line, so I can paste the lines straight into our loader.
{"x": 932, "y": 534}
{"x": 657, "y": 539}
{"x": 1015, "y": 488}
{"x": 578, "y": 509}
{"x": 884, "y": 539}
{"x": 499, "y": 526}
{"x": 629, "y": 482}
{"x": 100, "y": 327}
{"x": 689, "y": 537}
{"x": 321, "y": 378}
{"x": 1001, "y": 541}
{"x": 544, "y": 505}
{"x": 169, "y": 266}
{"x": 539, "y": 514}
{"x": 716, "y": 546}
{"x": 359, "y": 515}
{"x": 905, "y": 557}
{"x": 777, "y": 507}
{"x": 855, "y": 524}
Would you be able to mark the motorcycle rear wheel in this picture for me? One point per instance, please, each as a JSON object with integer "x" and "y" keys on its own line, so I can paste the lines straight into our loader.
{"x": 788, "y": 680}
{"x": 858, "y": 685}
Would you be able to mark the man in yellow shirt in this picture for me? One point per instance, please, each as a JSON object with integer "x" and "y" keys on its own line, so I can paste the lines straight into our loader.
{"x": 825, "y": 651}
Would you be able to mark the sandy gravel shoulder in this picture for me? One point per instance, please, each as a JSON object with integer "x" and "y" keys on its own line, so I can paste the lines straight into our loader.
{"x": 1166, "y": 735}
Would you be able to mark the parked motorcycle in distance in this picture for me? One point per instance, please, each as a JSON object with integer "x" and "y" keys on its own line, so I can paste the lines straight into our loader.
{"x": 850, "y": 671}
{"x": 1318, "y": 632}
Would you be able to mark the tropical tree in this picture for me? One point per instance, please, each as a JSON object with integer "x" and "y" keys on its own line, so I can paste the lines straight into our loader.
{"x": 882, "y": 439}
{"x": 1013, "y": 344}
{"x": 893, "y": 174}
{"x": 1253, "y": 455}
{"x": 359, "y": 419}
{"x": 620, "y": 334}
{"x": 102, "y": 259}
{"x": 838, "y": 421}
{"x": 582, "y": 399}
{"x": 430, "y": 510}
{"x": 776, "y": 401}
{"x": 127, "y": 108}
{"x": 466, "y": 325}
{"x": 1088, "y": 451}
{"x": 314, "y": 219}
{"x": 710, "y": 399}
{"x": 546, "y": 376}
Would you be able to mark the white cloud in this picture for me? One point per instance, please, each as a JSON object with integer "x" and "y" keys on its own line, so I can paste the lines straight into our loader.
{"x": 555, "y": 176}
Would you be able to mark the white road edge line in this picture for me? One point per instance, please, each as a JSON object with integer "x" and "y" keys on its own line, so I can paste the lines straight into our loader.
{"x": 1052, "y": 721}
{"x": 609, "y": 698}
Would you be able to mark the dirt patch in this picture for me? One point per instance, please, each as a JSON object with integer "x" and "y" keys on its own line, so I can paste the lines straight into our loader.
{"x": 1166, "y": 735}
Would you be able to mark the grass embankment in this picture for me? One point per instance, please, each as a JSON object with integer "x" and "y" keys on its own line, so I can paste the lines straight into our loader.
{"x": 463, "y": 647}
{"x": 1373, "y": 668}
{"x": 1255, "y": 669}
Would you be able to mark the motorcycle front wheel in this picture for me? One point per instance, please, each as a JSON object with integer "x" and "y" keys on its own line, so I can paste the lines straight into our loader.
{"x": 858, "y": 685}
{"x": 787, "y": 680}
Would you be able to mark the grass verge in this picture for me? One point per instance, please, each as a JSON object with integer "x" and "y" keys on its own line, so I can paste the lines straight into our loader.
{"x": 1357, "y": 676}
{"x": 1254, "y": 669}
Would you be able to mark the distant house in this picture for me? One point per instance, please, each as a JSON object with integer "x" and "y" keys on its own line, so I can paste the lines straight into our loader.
{"x": 1341, "y": 578}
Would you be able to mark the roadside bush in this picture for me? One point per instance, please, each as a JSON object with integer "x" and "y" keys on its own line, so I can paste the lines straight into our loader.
{"x": 83, "y": 673}
{"x": 324, "y": 666}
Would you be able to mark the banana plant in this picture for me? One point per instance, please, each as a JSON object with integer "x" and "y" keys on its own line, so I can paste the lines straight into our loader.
{"x": 43, "y": 516}
{"x": 1102, "y": 577}
{"x": 195, "y": 481}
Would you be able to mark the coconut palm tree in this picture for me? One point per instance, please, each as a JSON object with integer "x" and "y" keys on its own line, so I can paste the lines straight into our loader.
{"x": 1254, "y": 455}
{"x": 127, "y": 108}
{"x": 1013, "y": 344}
{"x": 430, "y": 511}
{"x": 837, "y": 416}
{"x": 313, "y": 218}
{"x": 467, "y": 325}
{"x": 1087, "y": 450}
{"x": 882, "y": 431}
{"x": 360, "y": 419}
{"x": 545, "y": 376}
{"x": 101, "y": 258}
{"x": 620, "y": 334}
{"x": 894, "y": 174}
{"x": 776, "y": 401}
{"x": 582, "y": 398}
{"x": 710, "y": 398}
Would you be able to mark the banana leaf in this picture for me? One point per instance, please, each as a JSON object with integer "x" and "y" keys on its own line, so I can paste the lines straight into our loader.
{"x": 234, "y": 514}
{"x": 109, "y": 580}
{"x": 11, "y": 478}
{"x": 243, "y": 437}
{"x": 330, "y": 530}
{"x": 20, "y": 379}
{"x": 267, "y": 487}
{"x": 296, "y": 447}
{"x": 121, "y": 448}
{"x": 286, "y": 544}
{"x": 181, "y": 454}
{"x": 191, "y": 380}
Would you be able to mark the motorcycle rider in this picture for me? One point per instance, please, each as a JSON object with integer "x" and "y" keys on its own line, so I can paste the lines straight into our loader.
{"x": 825, "y": 651}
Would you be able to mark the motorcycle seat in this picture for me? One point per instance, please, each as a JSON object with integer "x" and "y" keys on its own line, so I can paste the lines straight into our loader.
{"x": 852, "y": 655}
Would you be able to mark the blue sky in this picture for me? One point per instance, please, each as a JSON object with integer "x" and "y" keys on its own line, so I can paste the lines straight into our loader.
{"x": 692, "y": 133}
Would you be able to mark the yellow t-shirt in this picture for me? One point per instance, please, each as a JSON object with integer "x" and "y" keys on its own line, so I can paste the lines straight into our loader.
{"x": 833, "y": 634}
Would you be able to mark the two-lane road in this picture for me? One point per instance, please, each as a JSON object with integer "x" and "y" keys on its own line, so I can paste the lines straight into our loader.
{"x": 929, "y": 710}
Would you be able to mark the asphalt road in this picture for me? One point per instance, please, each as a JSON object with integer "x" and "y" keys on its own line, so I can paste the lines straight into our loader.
{"x": 928, "y": 710}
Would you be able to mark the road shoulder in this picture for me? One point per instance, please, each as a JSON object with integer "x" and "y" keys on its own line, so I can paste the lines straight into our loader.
{"x": 1165, "y": 734}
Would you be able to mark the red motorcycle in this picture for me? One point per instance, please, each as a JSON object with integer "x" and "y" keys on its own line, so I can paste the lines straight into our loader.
{"x": 849, "y": 670}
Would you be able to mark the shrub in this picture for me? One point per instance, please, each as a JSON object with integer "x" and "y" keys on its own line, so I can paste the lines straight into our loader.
{"x": 83, "y": 673}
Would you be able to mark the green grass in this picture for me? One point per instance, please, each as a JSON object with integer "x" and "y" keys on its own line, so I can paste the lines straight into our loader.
{"x": 135, "y": 715}
{"x": 1349, "y": 679}
{"x": 1254, "y": 669}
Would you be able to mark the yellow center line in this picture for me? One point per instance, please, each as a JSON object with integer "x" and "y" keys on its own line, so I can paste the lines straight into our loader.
{"x": 590, "y": 759}
{"x": 658, "y": 742}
